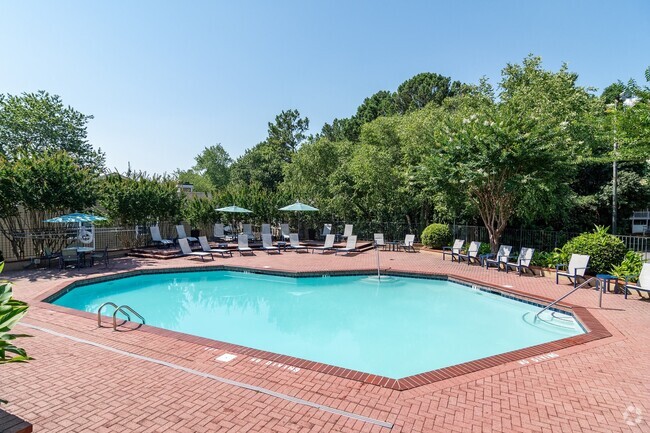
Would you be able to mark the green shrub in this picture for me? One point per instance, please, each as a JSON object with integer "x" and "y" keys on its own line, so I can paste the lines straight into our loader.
{"x": 604, "y": 250}
{"x": 548, "y": 259}
{"x": 629, "y": 267}
{"x": 436, "y": 235}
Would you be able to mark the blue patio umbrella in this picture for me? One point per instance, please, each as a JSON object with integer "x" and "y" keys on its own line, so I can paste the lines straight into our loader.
{"x": 76, "y": 218}
{"x": 84, "y": 235}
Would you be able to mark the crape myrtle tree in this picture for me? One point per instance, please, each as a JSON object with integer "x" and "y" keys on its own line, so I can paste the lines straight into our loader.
{"x": 47, "y": 166}
{"x": 514, "y": 155}
{"x": 134, "y": 198}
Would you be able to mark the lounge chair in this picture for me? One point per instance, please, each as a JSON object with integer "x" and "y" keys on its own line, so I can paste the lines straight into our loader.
{"x": 379, "y": 240}
{"x": 472, "y": 253}
{"x": 327, "y": 229}
{"x": 99, "y": 256}
{"x": 523, "y": 261}
{"x": 294, "y": 243}
{"x": 350, "y": 246}
{"x": 205, "y": 246}
{"x": 643, "y": 283}
{"x": 576, "y": 268}
{"x": 267, "y": 244}
{"x": 242, "y": 245}
{"x": 220, "y": 233}
{"x": 180, "y": 229}
{"x": 247, "y": 229}
{"x": 157, "y": 239}
{"x": 328, "y": 246}
{"x": 266, "y": 229}
{"x": 187, "y": 251}
{"x": 284, "y": 230}
{"x": 347, "y": 231}
{"x": 499, "y": 259}
{"x": 407, "y": 245}
{"x": 453, "y": 250}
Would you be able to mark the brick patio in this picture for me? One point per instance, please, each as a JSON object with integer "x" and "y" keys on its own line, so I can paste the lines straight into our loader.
{"x": 87, "y": 379}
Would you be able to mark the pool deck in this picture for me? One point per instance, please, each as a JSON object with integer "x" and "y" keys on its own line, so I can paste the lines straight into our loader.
{"x": 90, "y": 379}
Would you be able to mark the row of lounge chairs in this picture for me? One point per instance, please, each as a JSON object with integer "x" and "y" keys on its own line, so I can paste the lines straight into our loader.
{"x": 503, "y": 259}
{"x": 267, "y": 245}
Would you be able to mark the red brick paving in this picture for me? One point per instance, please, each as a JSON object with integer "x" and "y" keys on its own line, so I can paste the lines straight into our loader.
{"x": 74, "y": 387}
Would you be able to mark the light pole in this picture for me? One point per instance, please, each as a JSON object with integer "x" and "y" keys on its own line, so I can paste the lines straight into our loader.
{"x": 628, "y": 101}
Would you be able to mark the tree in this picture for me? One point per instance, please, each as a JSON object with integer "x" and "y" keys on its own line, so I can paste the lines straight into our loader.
{"x": 262, "y": 164}
{"x": 33, "y": 123}
{"x": 288, "y": 132}
{"x": 515, "y": 155}
{"x": 40, "y": 185}
{"x": 214, "y": 162}
{"x": 416, "y": 92}
{"x": 138, "y": 199}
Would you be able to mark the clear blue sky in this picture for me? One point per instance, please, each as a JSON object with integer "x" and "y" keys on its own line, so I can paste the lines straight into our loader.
{"x": 164, "y": 79}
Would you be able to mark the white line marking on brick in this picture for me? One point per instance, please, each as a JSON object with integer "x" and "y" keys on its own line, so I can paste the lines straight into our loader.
{"x": 215, "y": 378}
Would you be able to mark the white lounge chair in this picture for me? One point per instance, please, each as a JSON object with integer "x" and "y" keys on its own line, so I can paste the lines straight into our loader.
{"x": 247, "y": 229}
{"x": 407, "y": 245}
{"x": 379, "y": 240}
{"x": 327, "y": 229}
{"x": 220, "y": 233}
{"x": 157, "y": 239}
{"x": 205, "y": 246}
{"x": 284, "y": 230}
{"x": 328, "y": 246}
{"x": 347, "y": 231}
{"x": 187, "y": 251}
{"x": 267, "y": 244}
{"x": 500, "y": 259}
{"x": 180, "y": 229}
{"x": 453, "y": 250}
{"x": 643, "y": 283}
{"x": 266, "y": 229}
{"x": 523, "y": 261}
{"x": 472, "y": 253}
{"x": 350, "y": 246}
{"x": 242, "y": 245}
{"x": 294, "y": 243}
{"x": 576, "y": 268}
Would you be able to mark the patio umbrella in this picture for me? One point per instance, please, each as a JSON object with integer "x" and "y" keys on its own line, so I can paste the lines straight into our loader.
{"x": 84, "y": 235}
{"x": 233, "y": 209}
{"x": 76, "y": 218}
{"x": 299, "y": 207}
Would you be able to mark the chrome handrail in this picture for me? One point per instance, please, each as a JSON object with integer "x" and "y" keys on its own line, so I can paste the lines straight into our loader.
{"x": 121, "y": 308}
{"x": 559, "y": 299}
{"x": 99, "y": 312}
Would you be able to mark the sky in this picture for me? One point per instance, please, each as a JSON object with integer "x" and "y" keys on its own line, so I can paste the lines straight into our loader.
{"x": 165, "y": 79}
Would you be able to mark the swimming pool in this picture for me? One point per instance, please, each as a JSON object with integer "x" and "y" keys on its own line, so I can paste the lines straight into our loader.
{"x": 397, "y": 328}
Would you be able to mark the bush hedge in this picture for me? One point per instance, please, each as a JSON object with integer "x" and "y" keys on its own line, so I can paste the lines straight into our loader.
{"x": 436, "y": 235}
{"x": 604, "y": 250}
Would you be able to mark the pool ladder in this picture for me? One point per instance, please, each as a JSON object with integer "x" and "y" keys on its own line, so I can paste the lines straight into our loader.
{"x": 124, "y": 309}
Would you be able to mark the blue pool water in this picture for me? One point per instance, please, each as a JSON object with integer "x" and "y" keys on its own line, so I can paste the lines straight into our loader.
{"x": 396, "y": 328}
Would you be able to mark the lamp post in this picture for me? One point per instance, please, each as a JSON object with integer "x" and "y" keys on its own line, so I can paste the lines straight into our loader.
{"x": 628, "y": 101}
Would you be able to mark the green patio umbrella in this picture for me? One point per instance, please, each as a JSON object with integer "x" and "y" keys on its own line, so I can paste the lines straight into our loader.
{"x": 298, "y": 207}
{"x": 233, "y": 209}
